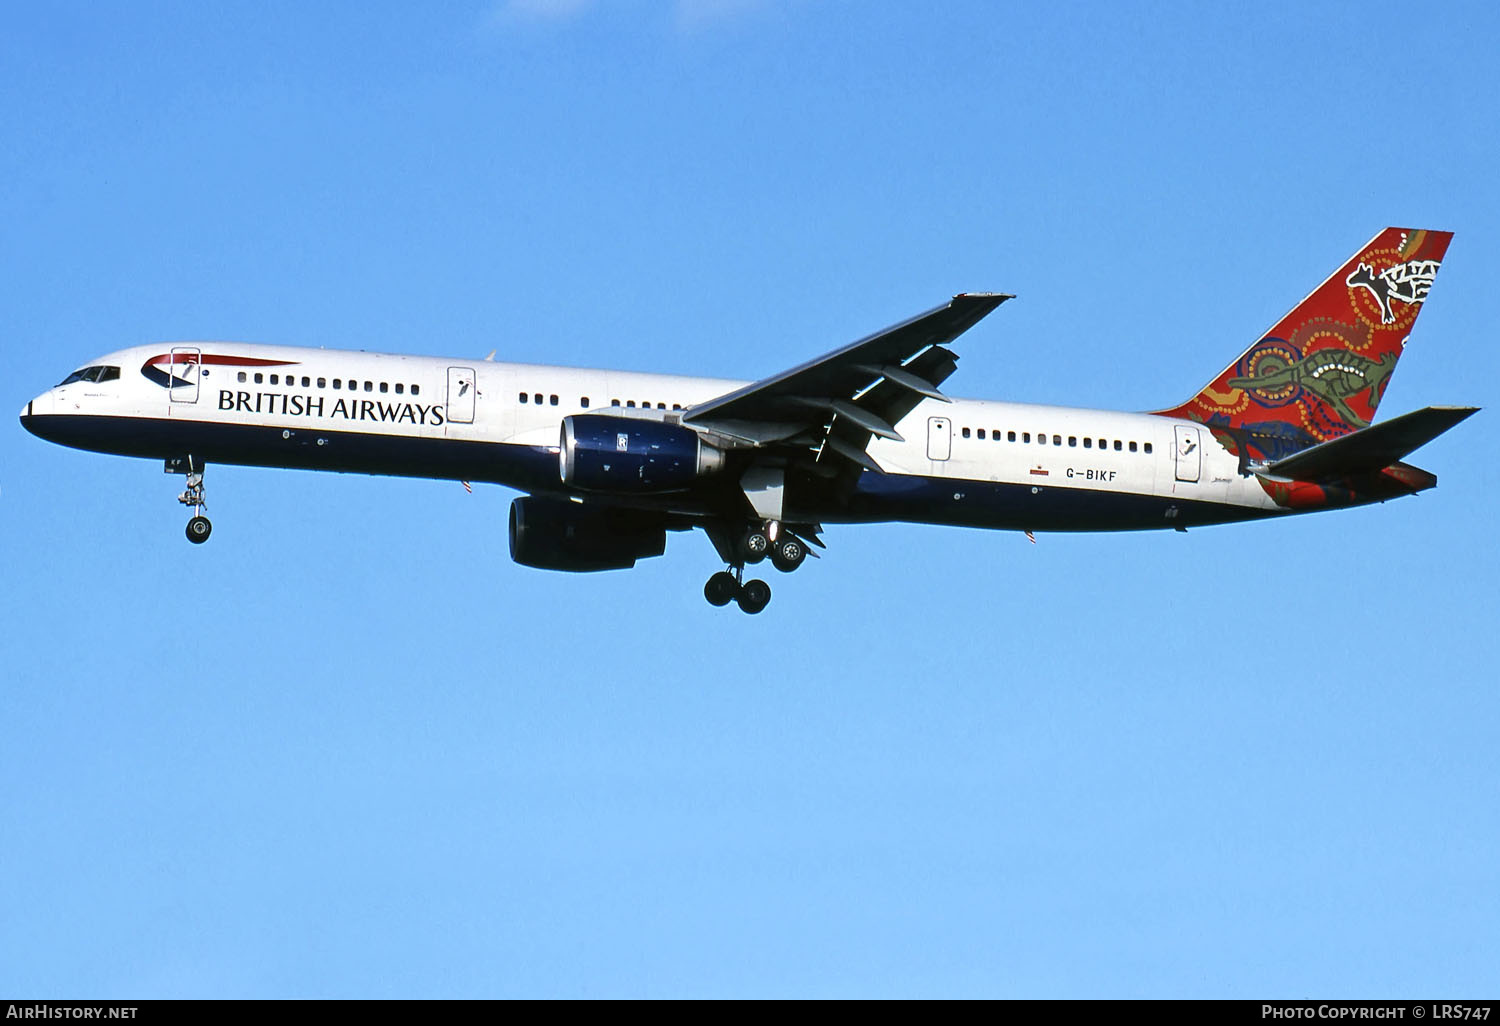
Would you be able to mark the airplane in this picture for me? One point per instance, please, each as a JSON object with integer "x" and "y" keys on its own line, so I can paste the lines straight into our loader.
{"x": 611, "y": 460}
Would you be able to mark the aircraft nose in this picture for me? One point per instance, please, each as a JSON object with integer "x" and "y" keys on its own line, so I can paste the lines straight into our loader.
{"x": 41, "y": 406}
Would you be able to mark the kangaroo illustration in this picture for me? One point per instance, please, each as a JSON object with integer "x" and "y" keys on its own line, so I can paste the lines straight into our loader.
{"x": 1408, "y": 282}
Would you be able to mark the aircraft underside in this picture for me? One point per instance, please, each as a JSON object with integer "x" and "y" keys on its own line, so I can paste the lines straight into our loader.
{"x": 189, "y": 446}
{"x": 872, "y": 498}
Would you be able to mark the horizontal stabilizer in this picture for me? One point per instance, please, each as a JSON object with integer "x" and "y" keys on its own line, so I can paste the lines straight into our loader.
{"x": 1370, "y": 449}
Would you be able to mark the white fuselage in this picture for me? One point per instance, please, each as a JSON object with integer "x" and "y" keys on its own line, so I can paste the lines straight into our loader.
{"x": 341, "y": 410}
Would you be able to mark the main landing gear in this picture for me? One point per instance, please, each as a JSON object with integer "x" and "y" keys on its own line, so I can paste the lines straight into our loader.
{"x": 725, "y": 587}
{"x": 769, "y": 540}
{"x": 785, "y": 549}
{"x": 199, "y": 527}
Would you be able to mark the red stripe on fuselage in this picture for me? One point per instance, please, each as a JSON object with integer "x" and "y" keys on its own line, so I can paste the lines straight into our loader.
{"x": 222, "y": 361}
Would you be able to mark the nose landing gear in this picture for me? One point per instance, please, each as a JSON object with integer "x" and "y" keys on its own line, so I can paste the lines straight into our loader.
{"x": 198, "y": 530}
{"x": 199, "y": 527}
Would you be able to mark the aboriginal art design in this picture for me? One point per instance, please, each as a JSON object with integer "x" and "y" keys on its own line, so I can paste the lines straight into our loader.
{"x": 1321, "y": 370}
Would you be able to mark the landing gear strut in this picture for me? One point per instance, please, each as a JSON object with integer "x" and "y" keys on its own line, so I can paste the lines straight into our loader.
{"x": 725, "y": 587}
{"x": 198, "y": 528}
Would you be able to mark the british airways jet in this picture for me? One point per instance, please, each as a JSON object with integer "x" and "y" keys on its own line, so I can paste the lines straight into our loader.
{"x": 610, "y": 461}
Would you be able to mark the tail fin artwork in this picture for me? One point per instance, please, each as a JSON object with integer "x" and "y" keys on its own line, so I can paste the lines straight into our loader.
{"x": 1319, "y": 372}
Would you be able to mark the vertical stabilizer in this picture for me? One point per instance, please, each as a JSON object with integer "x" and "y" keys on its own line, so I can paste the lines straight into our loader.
{"x": 1320, "y": 371}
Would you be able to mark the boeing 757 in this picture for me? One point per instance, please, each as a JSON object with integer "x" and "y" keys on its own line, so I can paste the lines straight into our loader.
{"x": 609, "y": 461}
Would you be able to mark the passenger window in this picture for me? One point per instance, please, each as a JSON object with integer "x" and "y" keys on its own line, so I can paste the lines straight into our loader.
{"x": 661, "y": 406}
{"x": 400, "y": 388}
{"x": 523, "y": 397}
{"x": 1057, "y": 439}
{"x": 1132, "y": 447}
{"x": 259, "y": 378}
{"x": 416, "y": 390}
{"x": 614, "y": 402}
{"x": 552, "y": 399}
{"x": 584, "y": 402}
{"x": 1088, "y": 443}
{"x": 981, "y": 434}
{"x": 337, "y": 383}
{"x": 676, "y": 406}
{"x": 630, "y": 403}
{"x": 1025, "y": 436}
{"x": 1148, "y": 446}
{"x": 384, "y": 387}
{"x": 1103, "y": 444}
{"x": 1118, "y": 445}
{"x": 369, "y": 386}
{"x": 1041, "y": 439}
{"x": 1010, "y": 436}
{"x": 537, "y": 398}
{"x": 242, "y": 377}
{"x": 966, "y": 432}
{"x": 1072, "y": 441}
{"x": 322, "y": 382}
{"x": 306, "y": 381}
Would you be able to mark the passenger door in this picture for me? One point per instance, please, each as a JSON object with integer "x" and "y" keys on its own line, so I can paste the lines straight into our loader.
{"x": 1188, "y": 452}
{"x": 461, "y": 389}
{"x": 183, "y": 369}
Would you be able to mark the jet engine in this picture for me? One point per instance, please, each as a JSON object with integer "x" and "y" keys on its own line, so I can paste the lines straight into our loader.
{"x": 557, "y": 534}
{"x": 624, "y": 455}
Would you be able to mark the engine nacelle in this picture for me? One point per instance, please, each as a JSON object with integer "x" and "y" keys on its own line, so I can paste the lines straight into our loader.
{"x": 556, "y": 534}
{"x": 627, "y": 456}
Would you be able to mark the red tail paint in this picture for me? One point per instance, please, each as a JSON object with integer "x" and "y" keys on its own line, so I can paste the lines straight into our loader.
{"x": 1321, "y": 370}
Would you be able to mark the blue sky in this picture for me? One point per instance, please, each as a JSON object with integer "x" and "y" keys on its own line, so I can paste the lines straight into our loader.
{"x": 347, "y": 748}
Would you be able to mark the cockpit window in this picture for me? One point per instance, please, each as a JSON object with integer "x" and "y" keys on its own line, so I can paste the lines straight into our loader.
{"x": 92, "y": 374}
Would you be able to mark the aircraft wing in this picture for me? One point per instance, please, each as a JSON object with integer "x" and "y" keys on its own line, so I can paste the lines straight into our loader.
{"x": 839, "y": 401}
